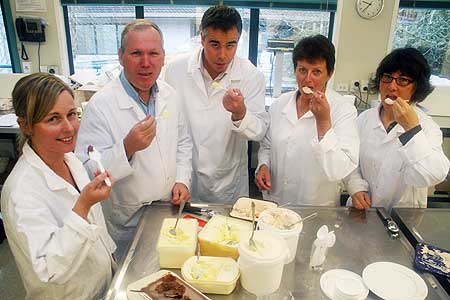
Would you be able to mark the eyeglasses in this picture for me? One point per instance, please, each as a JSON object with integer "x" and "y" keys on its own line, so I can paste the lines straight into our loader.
{"x": 401, "y": 81}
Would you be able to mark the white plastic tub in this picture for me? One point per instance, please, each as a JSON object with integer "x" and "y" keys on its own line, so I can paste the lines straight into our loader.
{"x": 261, "y": 271}
{"x": 212, "y": 275}
{"x": 174, "y": 250}
{"x": 277, "y": 220}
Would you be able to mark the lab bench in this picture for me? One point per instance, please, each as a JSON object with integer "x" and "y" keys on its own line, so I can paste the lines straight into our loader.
{"x": 431, "y": 226}
{"x": 361, "y": 239}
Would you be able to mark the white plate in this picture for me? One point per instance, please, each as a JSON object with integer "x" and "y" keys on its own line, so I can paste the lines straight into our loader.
{"x": 328, "y": 281}
{"x": 143, "y": 282}
{"x": 393, "y": 281}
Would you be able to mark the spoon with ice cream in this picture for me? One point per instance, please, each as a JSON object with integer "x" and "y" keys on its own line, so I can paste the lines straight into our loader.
{"x": 390, "y": 101}
{"x": 307, "y": 90}
{"x": 217, "y": 86}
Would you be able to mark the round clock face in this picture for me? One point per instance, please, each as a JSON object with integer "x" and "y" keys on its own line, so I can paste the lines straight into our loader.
{"x": 369, "y": 9}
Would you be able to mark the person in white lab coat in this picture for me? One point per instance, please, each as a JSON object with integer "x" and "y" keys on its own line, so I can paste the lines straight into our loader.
{"x": 401, "y": 146}
{"x": 223, "y": 96}
{"x": 312, "y": 141}
{"x": 53, "y": 221}
{"x": 136, "y": 123}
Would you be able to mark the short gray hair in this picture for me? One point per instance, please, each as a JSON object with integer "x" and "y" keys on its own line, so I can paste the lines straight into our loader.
{"x": 139, "y": 24}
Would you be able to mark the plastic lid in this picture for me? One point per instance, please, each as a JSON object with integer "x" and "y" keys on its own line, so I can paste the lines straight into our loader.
{"x": 270, "y": 248}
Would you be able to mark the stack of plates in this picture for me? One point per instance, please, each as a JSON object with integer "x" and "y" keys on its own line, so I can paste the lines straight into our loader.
{"x": 341, "y": 284}
{"x": 393, "y": 281}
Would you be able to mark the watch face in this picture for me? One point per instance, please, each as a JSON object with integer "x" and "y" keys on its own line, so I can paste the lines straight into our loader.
{"x": 369, "y": 9}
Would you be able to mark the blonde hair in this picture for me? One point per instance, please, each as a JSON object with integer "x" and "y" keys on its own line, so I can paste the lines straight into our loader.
{"x": 33, "y": 97}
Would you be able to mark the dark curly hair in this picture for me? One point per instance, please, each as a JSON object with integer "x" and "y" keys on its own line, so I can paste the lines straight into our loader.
{"x": 315, "y": 47}
{"x": 409, "y": 62}
{"x": 221, "y": 17}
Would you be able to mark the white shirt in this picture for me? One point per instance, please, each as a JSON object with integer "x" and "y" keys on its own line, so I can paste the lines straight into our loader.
{"x": 151, "y": 173}
{"x": 219, "y": 158}
{"x": 303, "y": 170}
{"x": 393, "y": 174}
{"x": 59, "y": 255}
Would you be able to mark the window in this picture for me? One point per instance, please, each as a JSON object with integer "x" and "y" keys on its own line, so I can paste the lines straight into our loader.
{"x": 427, "y": 30}
{"x": 180, "y": 26}
{"x": 5, "y": 59}
{"x": 95, "y": 35}
{"x": 285, "y": 25}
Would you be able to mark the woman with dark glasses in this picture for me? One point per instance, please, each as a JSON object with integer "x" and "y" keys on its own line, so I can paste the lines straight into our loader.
{"x": 401, "y": 146}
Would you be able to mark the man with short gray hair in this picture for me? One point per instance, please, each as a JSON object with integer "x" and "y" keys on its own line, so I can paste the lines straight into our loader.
{"x": 135, "y": 122}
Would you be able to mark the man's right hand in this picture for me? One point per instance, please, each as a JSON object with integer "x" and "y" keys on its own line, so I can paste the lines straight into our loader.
{"x": 262, "y": 179}
{"x": 140, "y": 136}
{"x": 361, "y": 200}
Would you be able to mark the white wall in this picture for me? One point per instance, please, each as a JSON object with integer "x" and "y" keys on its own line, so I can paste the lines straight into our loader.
{"x": 360, "y": 43}
{"x": 53, "y": 50}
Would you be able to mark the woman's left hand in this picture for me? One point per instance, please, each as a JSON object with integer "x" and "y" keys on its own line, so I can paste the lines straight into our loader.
{"x": 404, "y": 114}
{"x": 321, "y": 110}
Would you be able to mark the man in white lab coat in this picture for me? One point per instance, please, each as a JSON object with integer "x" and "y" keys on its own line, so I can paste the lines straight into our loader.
{"x": 136, "y": 123}
{"x": 223, "y": 96}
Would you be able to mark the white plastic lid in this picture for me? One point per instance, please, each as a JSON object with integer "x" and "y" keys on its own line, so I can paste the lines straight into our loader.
{"x": 270, "y": 248}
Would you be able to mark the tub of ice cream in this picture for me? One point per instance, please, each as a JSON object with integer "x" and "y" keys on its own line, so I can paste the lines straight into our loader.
{"x": 221, "y": 236}
{"x": 174, "y": 249}
{"x": 242, "y": 208}
{"x": 285, "y": 223}
{"x": 262, "y": 269}
{"x": 212, "y": 275}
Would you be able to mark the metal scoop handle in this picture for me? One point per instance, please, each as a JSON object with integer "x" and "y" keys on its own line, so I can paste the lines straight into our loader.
{"x": 173, "y": 231}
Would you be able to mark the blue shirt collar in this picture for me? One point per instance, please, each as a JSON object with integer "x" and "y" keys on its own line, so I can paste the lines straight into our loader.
{"x": 148, "y": 108}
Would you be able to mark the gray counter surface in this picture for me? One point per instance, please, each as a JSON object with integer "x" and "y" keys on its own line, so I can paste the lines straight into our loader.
{"x": 361, "y": 239}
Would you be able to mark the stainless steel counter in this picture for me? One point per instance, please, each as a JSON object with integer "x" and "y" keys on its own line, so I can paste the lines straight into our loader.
{"x": 430, "y": 226}
{"x": 361, "y": 239}
{"x": 425, "y": 225}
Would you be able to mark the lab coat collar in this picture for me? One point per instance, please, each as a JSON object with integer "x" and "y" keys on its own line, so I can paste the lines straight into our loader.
{"x": 126, "y": 103}
{"x": 394, "y": 133}
{"x": 290, "y": 110}
{"x": 234, "y": 71}
{"x": 55, "y": 182}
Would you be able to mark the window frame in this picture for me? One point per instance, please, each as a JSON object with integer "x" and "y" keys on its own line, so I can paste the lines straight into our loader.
{"x": 254, "y": 7}
{"x": 10, "y": 36}
{"x": 421, "y": 4}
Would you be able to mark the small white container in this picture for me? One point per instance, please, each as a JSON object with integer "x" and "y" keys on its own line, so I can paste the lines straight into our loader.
{"x": 261, "y": 271}
{"x": 210, "y": 274}
{"x": 277, "y": 220}
{"x": 174, "y": 250}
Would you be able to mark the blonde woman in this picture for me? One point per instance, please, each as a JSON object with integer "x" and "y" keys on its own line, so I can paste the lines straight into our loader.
{"x": 53, "y": 219}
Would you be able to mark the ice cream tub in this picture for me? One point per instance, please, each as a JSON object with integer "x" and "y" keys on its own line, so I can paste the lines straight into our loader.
{"x": 173, "y": 249}
{"x": 261, "y": 270}
{"x": 285, "y": 223}
{"x": 211, "y": 275}
{"x": 221, "y": 236}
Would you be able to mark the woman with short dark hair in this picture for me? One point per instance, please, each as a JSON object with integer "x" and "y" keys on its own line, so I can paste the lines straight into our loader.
{"x": 312, "y": 141}
{"x": 401, "y": 146}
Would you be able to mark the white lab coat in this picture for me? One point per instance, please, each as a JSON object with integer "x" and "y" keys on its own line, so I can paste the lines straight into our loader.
{"x": 303, "y": 170}
{"x": 151, "y": 173}
{"x": 219, "y": 156}
{"x": 59, "y": 255}
{"x": 393, "y": 174}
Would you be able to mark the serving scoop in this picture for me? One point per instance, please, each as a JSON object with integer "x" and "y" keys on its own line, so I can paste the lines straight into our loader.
{"x": 251, "y": 242}
{"x": 94, "y": 155}
{"x": 173, "y": 231}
